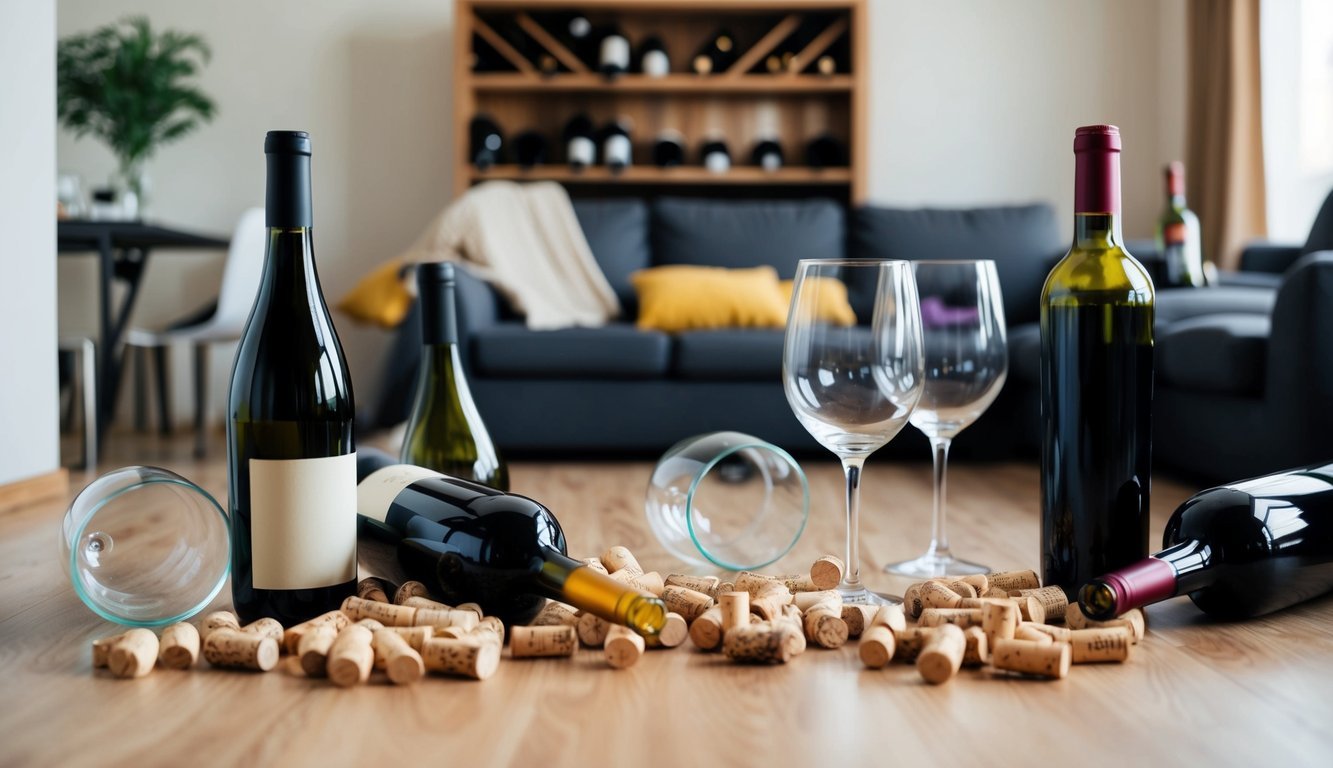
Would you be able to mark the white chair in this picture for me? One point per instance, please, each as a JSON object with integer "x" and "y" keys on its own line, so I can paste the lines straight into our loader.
{"x": 240, "y": 282}
{"x": 83, "y": 389}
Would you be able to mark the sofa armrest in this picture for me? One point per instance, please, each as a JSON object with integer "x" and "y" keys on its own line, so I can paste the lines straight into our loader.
{"x": 1300, "y": 356}
{"x": 477, "y": 304}
{"x": 1268, "y": 257}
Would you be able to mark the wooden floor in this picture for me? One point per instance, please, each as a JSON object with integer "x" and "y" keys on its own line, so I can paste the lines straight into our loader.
{"x": 1195, "y": 692}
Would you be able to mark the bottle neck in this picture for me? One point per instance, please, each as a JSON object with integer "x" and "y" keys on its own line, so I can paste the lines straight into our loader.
{"x": 439, "y": 321}
{"x": 1097, "y": 231}
{"x": 287, "y": 194}
{"x": 1180, "y": 569}
{"x": 289, "y": 263}
{"x": 1176, "y": 201}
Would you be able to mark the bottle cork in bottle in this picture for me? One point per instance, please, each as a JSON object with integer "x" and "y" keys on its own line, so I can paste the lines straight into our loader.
{"x": 998, "y": 620}
{"x": 770, "y": 600}
{"x": 240, "y": 650}
{"x": 650, "y": 582}
{"x": 735, "y": 609}
{"x": 553, "y": 613}
{"x": 102, "y": 650}
{"x": 706, "y": 631}
{"x": 761, "y": 643}
{"x": 218, "y": 620}
{"x": 1052, "y": 600}
{"x": 449, "y": 617}
{"x": 912, "y": 605}
{"x": 291, "y": 638}
{"x": 623, "y": 647}
{"x": 621, "y": 559}
{"x": 313, "y": 649}
{"x": 1027, "y": 631}
{"x": 1011, "y": 580}
{"x": 133, "y": 654}
{"x": 830, "y": 598}
{"x": 703, "y": 584}
{"x": 374, "y": 588}
{"x": 1131, "y": 620}
{"x": 824, "y": 626}
{"x": 536, "y": 642}
{"x": 463, "y": 658}
{"x": 942, "y": 655}
{"x": 1103, "y": 644}
{"x": 962, "y": 589}
{"x": 410, "y": 589}
{"x": 592, "y": 630}
{"x": 425, "y": 602}
{"x": 687, "y": 602}
{"x": 959, "y": 617}
{"x": 673, "y": 632}
{"x": 1049, "y": 661}
{"x": 386, "y": 614}
{"x": 978, "y": 581}
{"x": 936, "y": 595}
{"x": 351, "y": 656}
{"x": 909, "y": 642}
{"x": 977, "y": 651}
{"x": 1058, "y": 634}
{"x": 179, "y": 646}
{"x": 595, "y": 563}
{"x": 266, "y": 627}
{"x": 827, "y": 572}
{"x": 876, "y": 647}
{"x": 890, "y": 616}
{"x": 401, "y": 662}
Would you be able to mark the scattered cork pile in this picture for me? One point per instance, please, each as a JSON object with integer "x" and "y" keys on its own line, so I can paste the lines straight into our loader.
{"x": 1000, "y": 619}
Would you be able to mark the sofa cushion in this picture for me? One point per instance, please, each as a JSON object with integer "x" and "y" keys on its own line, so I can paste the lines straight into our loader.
{"x": 752, "y": 233}
{"x": 1222, "y": 353}
{"x": 617, "y": 233}
{"x": 730, "y": 355}
{"x": 618, "y": 350}
{"x": 1174, "y": 304}
{"x": 1024, "y": 241}
{"x": 681, "y": 298}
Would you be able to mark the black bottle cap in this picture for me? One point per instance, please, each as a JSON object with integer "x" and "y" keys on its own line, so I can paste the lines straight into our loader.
{"x": 435, "y": 286}
{"x": 287, "y": 196}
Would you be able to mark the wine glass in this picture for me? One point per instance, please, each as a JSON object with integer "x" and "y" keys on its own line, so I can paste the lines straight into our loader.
{"x": 963, "y": 331}
{"x": 853, "y": 378}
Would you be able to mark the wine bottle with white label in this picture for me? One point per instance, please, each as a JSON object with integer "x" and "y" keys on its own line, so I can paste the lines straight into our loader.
{"x": 580, "y": 149}
{"x": 617, "y": 149}
{"x": 291, "y": 455}
{"x": 613, "y": 57}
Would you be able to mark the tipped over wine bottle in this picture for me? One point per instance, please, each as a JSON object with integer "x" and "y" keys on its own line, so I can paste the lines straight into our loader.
{"x": 471, "y": 543}
{"x": 716, "y": 55}
{"x": 1238, "y": 550}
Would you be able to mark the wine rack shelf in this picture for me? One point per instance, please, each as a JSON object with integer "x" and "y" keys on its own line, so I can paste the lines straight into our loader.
{"x": 739, "y": 103}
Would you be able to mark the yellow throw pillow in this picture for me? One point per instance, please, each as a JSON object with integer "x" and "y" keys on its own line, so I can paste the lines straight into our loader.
{"x": 829, "y": 298}
{"x": 380, "y": 298}
{"x": 682, "y": 298}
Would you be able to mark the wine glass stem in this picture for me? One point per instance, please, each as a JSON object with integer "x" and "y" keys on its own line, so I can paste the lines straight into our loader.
{"x": 939, "y": 535}
{"x": 852, "y": 468}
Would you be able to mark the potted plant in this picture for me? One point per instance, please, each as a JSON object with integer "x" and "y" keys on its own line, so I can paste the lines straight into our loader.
{"x": 132, "y": 89}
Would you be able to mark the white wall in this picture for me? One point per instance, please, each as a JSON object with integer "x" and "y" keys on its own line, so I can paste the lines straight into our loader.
{"x": 973, "y": 101}
{"x": 29, "y": 429}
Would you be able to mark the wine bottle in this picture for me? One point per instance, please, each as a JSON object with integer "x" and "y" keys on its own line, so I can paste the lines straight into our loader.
{"x": 291, "y": 467}
{"x": 653, "y": 58}
{"x": 1096, "y": 383}
{"x": 1178, "y": 237}
{"x": 486, "y": 59}
{"x": 716, "y": 55}
{"x": 445, "y": 432}
{"x": 471, "y": 543}
{"x": 1238, "y": 551}
{"x": 715, "y": 156}
{"x": 485, "y": 142}
{"x": 767, "y": 154}
{"x": 825, "y": 151}
{"x": 531, "y": 149}
{"x": 580, "y": 150}
{"x": 783, "y": 58}
{"x": 617, "y": 150}
{"x": 668, "y": 150}
{"x": 573, "y": 30}
{"x": 613, "y": 53}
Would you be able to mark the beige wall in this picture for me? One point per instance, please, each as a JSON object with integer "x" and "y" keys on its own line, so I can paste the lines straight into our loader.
{"x": 973, "y": 101}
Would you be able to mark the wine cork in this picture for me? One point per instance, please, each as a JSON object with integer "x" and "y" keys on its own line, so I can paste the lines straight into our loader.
{"x": 936, "y": 595}
{"x": 674, "y": 631}
{"x": 179, "y": 646}
{"x": 240, "y": 650}
{"x": 464, "y": 658}
{"x": 291, "y": 638}
{"x": 962, "y": 589}
{"x": 686, "y": 602}
{"x": 1028, "y": 631}
{"x": 890, "y": 616}
{"x": 375, "y": 588}
{"x": 218, "y": 620}
{"x": 768, "y": 604}
{"x": 827, "y": 572}
{"x": 410, "y": 589}
{"x": 1052, "y": 599}
{"x": 621, "y": 559}
{"x": 761, "y": 643}
{"x": 749, "y": 581}
{"x": 402, "y": 663}
{"x": 313, "y": 649}
{"x": 416, "y": 601}
{"x": 735, "y": 609}
{"x": 1050, "y": 661}
{"x": 1104, "y": 644}
{"x": 912, "y": 605}
{"x": 909, "y": 642}
{"x": 102, "y": 650}
{"x": 942, "y": 655}
{"x": 1011, "y": 580}
{"x": 452, "y": 633}
{"x": 1131, "y": 620}
{"x": 386, "y": 614}
{"x": 998, "y": 621}
{"x": 978, "y": 581}
{"x": 977, "y": 651}
{"x": 595, "y": 563}
{"x": 592, "y": 630}
{"x": 824, "y": 626}
{"x": 535, "y": 642}
{"x": 650, "y": 582}
{"x": 960, "y": 617}
{"x": 797, "y": 582}
{"x": 876, "y": 647}
{"x": 725, "y": 586}
{"x": 1058, "y": 634}
{"x": 370, "y": 624}
{"x": 266, "y": 627}
{"x": 554, "y": 613}
{"x": 792, "y": 618}
{"x": 449, "y": 617}
{"x": 831, "y": 598}
{"x": 623, "y": 647}
{"x": 490, "y": 627}
{"x": 996, "y": 593}
{"x": 1030, "y": 609}
{"x": 133, "y": 654}
{"x": 858, "y": 618}
{"x": 706, "y": 631}
{"x": 703, "y": 584}
{"x": 351, "y": 656}
{"x": 472, "y": 607}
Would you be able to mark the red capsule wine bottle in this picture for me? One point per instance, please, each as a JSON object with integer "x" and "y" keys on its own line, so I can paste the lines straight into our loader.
{"x": 1096, "y": 383}
{"x": 291, "y": 456}
{"x": 1238, "y": 550}
{"x": 471, "y": 543}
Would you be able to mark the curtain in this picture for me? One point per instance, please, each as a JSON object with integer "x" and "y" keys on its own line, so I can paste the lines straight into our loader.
{"x": 1224, "y": 127}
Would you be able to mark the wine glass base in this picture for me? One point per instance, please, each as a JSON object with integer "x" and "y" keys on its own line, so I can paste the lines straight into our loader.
{"x": 863, "y": 596}
{"x": 929, "y": 566}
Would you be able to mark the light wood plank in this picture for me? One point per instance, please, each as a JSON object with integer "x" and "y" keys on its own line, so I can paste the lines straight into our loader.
{"x": 31, "y": 490}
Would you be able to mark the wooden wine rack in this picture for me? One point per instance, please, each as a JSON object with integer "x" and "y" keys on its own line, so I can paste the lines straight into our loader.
{"x": 735, "y": 105}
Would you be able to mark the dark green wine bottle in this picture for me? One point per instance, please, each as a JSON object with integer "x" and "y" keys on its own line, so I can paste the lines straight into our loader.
{"x": 291, "y": 455}
{"x": 1178, "y": 238}
{"x": 1096, "y": 384}
{"x": 445, "y": 432}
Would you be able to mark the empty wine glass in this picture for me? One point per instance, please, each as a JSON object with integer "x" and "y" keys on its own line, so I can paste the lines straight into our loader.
{"x": 963, "y": 332}
{"x": 852, "y": 381}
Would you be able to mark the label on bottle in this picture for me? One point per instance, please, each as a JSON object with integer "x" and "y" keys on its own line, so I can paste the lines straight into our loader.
{"x": 582, "y": 150}
{"x": 717, "y": 162}
{"x": 1174, "y": 234}
{"x": 656, "y": 64}
{"x": 616, "y": 150}
{"x": 375, "y": 494}
{"x": 303, "y": 522}
{"x": 615, "y": 52}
